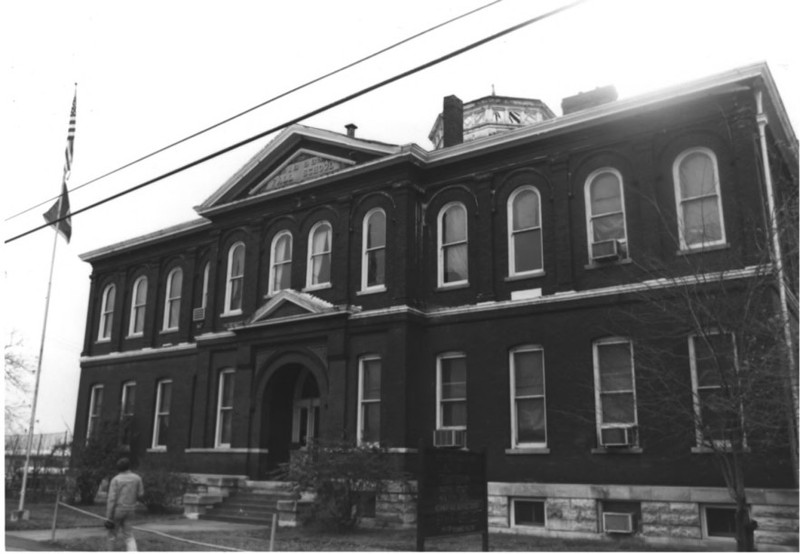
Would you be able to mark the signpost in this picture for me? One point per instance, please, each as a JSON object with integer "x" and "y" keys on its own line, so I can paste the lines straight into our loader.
{"x": 451, "y": 495}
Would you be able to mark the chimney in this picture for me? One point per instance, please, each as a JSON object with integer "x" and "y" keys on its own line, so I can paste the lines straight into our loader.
{"x": 351, "y": 129}
{"x": 452, "y": 121}
{"x": 584, "y": 100}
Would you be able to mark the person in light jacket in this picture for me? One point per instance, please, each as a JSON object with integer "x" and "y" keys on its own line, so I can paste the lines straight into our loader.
{"x": 124, "y": 491}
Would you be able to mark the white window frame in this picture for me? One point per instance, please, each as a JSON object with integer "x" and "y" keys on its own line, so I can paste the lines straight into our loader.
{"x": 170, "y": 298}
{"x": 679, "y": 200}
{"x": 273, "y": 264}
{"x": 362, "y": 402}
{"x": 310, "y": 285}
{"x": 598, "y": 393}
{"x": 141, "y": 280}
{"x": 511, "y": 232}
{"x": 366, "y": 251}
{"x": 107, "y": 313}
{"x": 439, "y": 400}
{"x": 701, "y": 443}
{"x": 220, "y": 408}
{"x": 95, "y": 410}
{"x": 704, "y": 508}
{"x": 440, "y": 246}
{"x": 229, "y": 279}
{"x": 513, "y": 513}
{"x": 591, "y": 216}
{"x": 159, "y": 414}
{"x": 513, "y": 395}
{"x": 206, "y": 272}
{"x": 126, "y": 386}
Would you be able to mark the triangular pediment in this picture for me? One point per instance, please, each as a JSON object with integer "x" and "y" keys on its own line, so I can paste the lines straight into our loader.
{"x": 296, "y": 156}
{"x": 290, "y": 303}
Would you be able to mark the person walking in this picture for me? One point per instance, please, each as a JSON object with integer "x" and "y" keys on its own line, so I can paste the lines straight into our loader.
{"x": 124, "y": 491}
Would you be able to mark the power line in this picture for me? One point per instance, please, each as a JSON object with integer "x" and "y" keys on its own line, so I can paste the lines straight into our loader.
{"x": 312, "y": 113}
{"x": 261, "y": 105}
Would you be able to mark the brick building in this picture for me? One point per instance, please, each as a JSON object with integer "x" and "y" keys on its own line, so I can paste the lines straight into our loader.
{"x": 471, "y": 295}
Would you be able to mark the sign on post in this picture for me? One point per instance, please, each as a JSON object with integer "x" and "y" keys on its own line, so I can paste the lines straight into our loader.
{"x": 451, "y": 495}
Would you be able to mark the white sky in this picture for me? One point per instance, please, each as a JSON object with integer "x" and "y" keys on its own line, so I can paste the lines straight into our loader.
{"x": 151, "y": 72}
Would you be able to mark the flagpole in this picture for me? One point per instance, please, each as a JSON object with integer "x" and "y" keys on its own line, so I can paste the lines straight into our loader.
{"x": 38, "y": 370}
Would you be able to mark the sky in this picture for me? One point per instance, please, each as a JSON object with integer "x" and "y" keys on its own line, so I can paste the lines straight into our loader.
{"x": 149, "y": 73}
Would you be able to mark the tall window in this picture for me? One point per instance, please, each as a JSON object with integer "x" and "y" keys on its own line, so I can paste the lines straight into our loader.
{"x": 161, "y": 424}
{"x": 712, "y": 359}
{"x": 699, "y": 203}
{"x": 373, "y": 259}
{"x": 127, "y": 410}
{"x": 369, "y": 400}
{"x": 319, "y": 256}
{"x": 206, "y": 272}
{"x": 524, "y": 232}
{"x": 280, "y": 269}
{"x": 235, "y": 280}
{"x": 172, "y": 300}
{"x": 605, "y": 214}
{"x": 225, "y": 408}
{"x": 138, "y": 304}
{"x": 615, "y": 392}
{"x": 107, "y": 313}
{"x": 528, "y": 413}
{"x": 95, "y": 410}
{"x": 452, "y": 237}
{"x": 451, "y": 391}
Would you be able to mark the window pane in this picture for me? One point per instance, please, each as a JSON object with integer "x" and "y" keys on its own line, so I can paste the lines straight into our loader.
{"x": 138, "y": 320}
{"x": 236, "y": 294}
{"x": 528, "y": 373}
{"x": 226, "y": 426}
{"x": 283, "y": 277}
{"x": 97, "y": 401}
{"x": 454, "y": 414}
{"x": 112, "y": 291}
{"x": 454, "y": 378}
{"x": 721, "y": 522}
{"x": 130, "y": 399}
{"x": 605, "y": 194}
{"x": 530, "y": 420}
{"x": 528, "y": 512}
{"x": 371, "y": 422}
{"x": 283, "y": 249}
{"x": 176, "y": 284}
{"x": 608, "y": 227}
{"x": 371, "y": 386}
{"x": 454, "y": 224}
{"x": 322, "y": 240}
{"x": 617, "y": 408}
{"x": 701, "y": 221}
{"x": 713, "y": 358}
{"x": 376, "y": 267}
{"x": 696, "y": 175}
{"x": 163, "y": 428}
{"x": 166, "y": 397}
{"x": 615, "y": 367}
{"x": 321, "y": 269}
{"x": 528, "y": 250}
{"x": 237, "y": 263}
{"x": 174, "y": 312}
{"x": 376, "y": 230}
{"x": 455, "y": 263}
{"x": 525, "y": 210}
{"x": 227, "y": 389}
{"x": 141, "y": 292}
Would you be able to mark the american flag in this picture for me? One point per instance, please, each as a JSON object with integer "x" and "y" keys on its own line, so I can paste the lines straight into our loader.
{"x": 61, "y": 208}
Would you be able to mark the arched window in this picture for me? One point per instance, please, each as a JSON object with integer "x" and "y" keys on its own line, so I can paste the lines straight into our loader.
{"x": 319, "y": 256}
{"x": 524, "y": 232}
{"x": 280, "y": 269}
{"x": 138, "y": 305}
{"x": 106, "y": 313}
{"x": 698, "y": 198}
{"x": 373, "y": 251}
{"x": 605, "y": 215}
{"x": 453, "y": 243}
{"x": 206, "y": 271}
{"x": 235, "y": 279}
{"x": 172, "y": 299}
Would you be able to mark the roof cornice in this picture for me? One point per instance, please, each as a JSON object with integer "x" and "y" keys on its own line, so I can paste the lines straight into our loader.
{"x": 161, "y": 235}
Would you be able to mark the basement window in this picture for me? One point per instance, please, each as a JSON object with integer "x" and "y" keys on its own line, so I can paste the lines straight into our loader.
{"x": 720, "y": 522}
{"x": 527, "y": 513}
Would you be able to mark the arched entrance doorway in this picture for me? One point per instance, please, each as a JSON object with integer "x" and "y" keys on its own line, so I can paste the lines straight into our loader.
{"x": 290, "y": 412}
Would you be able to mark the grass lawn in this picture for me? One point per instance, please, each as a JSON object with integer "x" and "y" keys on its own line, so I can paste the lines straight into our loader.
{"x": 41, "y": 516}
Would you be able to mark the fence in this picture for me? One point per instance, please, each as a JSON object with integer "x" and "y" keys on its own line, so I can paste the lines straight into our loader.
{"x": 48, "y": 465}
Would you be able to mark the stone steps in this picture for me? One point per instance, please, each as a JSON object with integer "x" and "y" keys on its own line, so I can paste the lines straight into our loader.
{"x": 250, "y": 505}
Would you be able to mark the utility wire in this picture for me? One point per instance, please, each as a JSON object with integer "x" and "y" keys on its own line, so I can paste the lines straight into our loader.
{"x": 262, "y": 104}
{"x": 312, "y": 113}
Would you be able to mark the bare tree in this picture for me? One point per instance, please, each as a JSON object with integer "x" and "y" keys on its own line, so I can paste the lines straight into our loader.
{"x": 18, "y": 377}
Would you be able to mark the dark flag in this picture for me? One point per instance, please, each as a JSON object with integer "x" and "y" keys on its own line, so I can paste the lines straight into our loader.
{"x": 61, "y": 208}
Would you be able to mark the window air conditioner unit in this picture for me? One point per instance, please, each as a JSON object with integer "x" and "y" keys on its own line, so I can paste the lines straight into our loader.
{"x": 199, "y": 314}
{"x": 618, "y": 436}
{"x": 618, "y": 523}
{"x": 606, "y": 250}
{"x": 450, "y": 438}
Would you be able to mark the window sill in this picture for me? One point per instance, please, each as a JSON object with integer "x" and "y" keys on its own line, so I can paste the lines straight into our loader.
{"x": 523, "y": 276}
{"x": 624, "y": 451}
{"x": 323, "y": 286}
{"x": 601, "y": 265}
{"x": 131, "y": 336}
{"x": 231, "y": 314}
{"x": 157, "y": 449}
{"x": 168, "y": 331}
{"x": 373, "y": 290}
{"x": 453, "y": 286}
{"x": 101, "y": 341}
{"x": 702, "y": 249}
{"x": 523, "y": 450}
{"x": 717, "y": 448}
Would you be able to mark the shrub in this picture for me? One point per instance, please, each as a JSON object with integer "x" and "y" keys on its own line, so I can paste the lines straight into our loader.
{"x": 96, "y": 460}
{"x": 164, "y": 483}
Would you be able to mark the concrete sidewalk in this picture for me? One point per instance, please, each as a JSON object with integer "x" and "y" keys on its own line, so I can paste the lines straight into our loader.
{"x": 171, "y": 526}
